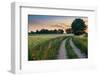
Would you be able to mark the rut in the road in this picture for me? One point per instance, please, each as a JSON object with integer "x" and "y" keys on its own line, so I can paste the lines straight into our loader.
{"x": 62, "y": 51}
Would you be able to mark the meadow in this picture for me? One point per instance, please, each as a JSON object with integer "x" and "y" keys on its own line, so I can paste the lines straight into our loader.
{"x": 44, "y": 47}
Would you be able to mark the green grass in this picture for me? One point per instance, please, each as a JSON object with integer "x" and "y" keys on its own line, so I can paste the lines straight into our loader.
{"x": 70, "y": 53}
{"x": 82, "y": 44}
{"x": 44, "y": 47}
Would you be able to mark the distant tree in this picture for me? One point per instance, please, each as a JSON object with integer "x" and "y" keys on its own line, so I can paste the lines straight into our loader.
{"x": 69, "y": 30}
{"x": 55, "y": 31}
{"x": 60, "y": 31}
{"x": 32, "y": 32}
{"x": 78, "y": 26}
{"x": 37, "y": 32}
{"x": 46, "y": 31}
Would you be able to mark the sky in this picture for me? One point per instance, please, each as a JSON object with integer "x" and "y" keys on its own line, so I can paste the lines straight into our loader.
{"x": 50, "y": 22}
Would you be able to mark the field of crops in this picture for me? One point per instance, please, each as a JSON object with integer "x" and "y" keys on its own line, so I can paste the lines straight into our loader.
{"x": 44, "y": 47}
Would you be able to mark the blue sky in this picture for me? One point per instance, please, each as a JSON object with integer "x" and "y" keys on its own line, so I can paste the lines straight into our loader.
{"x": 38, "y": 22}
{"x": 46, "y": 19}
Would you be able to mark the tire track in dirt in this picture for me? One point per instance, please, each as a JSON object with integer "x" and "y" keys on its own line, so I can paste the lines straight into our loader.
{"x": 62, "y": 51}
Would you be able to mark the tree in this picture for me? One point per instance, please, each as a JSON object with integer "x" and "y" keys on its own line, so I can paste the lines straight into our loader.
{"x": 60, "y": 31}
{"x": 46, "y": 31}
{"x": 69, "y": 30}
{"x": 78, "y": 26}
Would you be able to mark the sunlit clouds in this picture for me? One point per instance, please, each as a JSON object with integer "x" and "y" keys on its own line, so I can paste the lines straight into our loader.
{"x": 38, "y": 22}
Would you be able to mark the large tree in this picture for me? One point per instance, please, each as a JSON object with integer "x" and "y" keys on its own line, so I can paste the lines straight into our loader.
{"x": 78, "y": 26}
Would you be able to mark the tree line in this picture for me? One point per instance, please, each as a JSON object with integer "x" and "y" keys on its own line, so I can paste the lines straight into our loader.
{"x": 46, "y": 31}
{"x": 78, "y": 27}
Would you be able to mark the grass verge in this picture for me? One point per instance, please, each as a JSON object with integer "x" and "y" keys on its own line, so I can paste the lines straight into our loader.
{"x": 70, "y": 52}
{"x": 82, "y": 44}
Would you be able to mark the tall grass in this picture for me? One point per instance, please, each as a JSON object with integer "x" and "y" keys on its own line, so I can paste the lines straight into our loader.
{"x": 45, "y": 48}
{"x": 70, "y": 52}
{"x": 82, "y": 44}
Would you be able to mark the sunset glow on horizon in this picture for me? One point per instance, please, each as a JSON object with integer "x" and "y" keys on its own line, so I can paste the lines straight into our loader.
{"x": 38, "y": 22}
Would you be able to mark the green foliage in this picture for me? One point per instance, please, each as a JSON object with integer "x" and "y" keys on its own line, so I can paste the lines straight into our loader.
{"x": 46, "y": 31}
{"x": 44, "y": 47}
{"x": 82, "y": 44}
{"x": 70, "y": 53}
{"x": 78, "y": 26}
